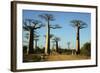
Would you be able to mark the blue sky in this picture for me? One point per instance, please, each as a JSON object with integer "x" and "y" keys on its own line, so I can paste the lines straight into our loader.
{"x": 67, "y": 33}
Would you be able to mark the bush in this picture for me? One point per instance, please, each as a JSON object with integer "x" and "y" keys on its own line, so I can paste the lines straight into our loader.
{"x": 24, "y": 49}
{"x": 36, "y": 58}
{"x": 86, "y": 49}
{"x": 39, "y": 50}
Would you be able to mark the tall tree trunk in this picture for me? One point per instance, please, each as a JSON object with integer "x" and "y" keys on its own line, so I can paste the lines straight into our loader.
{"x": 31, "y": 43}
{"x": 57, "y": 47}
{"x": 47, "y": 46}
{"x": 77, "y": 41}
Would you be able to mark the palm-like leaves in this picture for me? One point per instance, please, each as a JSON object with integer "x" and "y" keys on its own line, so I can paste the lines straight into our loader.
{"x": 31, "y": 23}
{"x": 47, "y": 17}
{"x": 78, "y": 23}
{"x": 56, "y": 39}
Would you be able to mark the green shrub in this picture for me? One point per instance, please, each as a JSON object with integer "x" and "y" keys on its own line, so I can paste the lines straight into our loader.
{"x": 86, "y": 49}
{"x": 24, "y": 49}
{"x": 36, "y": 58}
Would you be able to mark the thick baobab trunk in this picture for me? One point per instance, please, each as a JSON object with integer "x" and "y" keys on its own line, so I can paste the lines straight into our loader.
{"x": 57, "y": 47}
{"x": 77, "y": 41}
{"x": 31, "y": 43}
{"x": 47, "y": 45}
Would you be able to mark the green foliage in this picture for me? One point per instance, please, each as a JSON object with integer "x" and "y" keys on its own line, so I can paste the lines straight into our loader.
{"x": 24, "y": 49}
{"x": 78, "y": 23}
{"x": 36, "y": 58}
{"x": 31, "y": 58}
{"x": 86, "y": 49}
{"x": 39, "y": 50}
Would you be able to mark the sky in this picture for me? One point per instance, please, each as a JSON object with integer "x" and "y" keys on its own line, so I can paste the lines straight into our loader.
{"x": 67, "y": 33}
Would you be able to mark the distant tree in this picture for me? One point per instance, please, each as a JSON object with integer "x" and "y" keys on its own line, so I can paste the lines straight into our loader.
{"x": 86, "y": 49}
{"x": 48, "y": 18}
{"x": 56, "y": 39}
{"x": 31, "y": 25}
{"x": 36, "y": 39}
{"x": 36, "y": 43}
{"x": 27, "y": 36}
{"x": 78, "y": 24}
{"x": 68, "y": 43}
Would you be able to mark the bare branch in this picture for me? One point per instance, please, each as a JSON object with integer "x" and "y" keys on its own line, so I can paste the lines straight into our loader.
{"x": 83, "y": 25}
{"x": 55, "y": 26}
{"x": 47, "y": 17}
{"x": 36, "y": 36}
{"x": 32, "y": 24}
{"x": 39, "y": 26}
{"x": 56, "y": 39}
{"x": 35, "y": 22}
{"x": 25, "y": 28}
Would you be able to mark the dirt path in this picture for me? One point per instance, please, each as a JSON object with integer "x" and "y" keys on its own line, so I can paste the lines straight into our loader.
{"x": 66, "y": 57}
{"x": 52, "y": 57}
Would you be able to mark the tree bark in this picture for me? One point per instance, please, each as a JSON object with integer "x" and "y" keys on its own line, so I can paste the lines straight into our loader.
{"x": 31, "y": 43}
{"x": 57, "y": 46}
{"x": 77, "y": 41}
{"x": 47, "y": 46}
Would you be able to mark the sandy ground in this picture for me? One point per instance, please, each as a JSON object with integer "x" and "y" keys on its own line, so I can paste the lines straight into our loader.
{"x": 55, "y": 57}
{"x": 66, "y": 57}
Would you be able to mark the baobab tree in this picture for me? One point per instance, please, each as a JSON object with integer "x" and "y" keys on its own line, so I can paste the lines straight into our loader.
{"x": 26, "y": 36}
{"x": 48, "y": 18}
{"x": 78, "y": 24}
{"x": 56, "y": 39}
{"x": 53, "y": 45}
{"x": 31, "y": 25}
{"x": 36, "y": 39}
{"x": 68, "y": 43}
{"x": 46, "y": 50}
